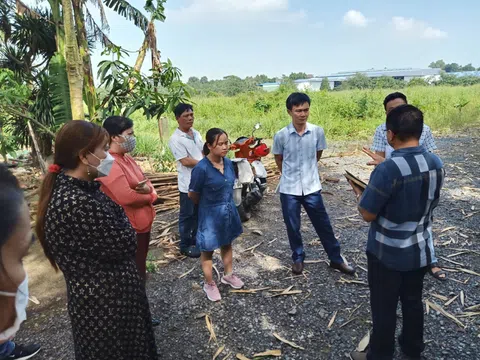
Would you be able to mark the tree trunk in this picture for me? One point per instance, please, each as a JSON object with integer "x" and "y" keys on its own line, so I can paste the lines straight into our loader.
{"x": 88, "y": 83}
{"x": 57, "y": 18}
{"x": 42, "y": 162}
{"x": 74, "y": 62}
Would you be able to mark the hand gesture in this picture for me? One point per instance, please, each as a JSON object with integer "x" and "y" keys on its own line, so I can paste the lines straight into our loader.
{"x": 143, "y": 189}
{"x": 377, "y": 159}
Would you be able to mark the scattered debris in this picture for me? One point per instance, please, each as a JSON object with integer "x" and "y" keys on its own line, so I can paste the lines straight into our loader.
{"x": 185, "y": 274}
{"x": 288, "y": 342}
{"x": 445, "y": 313}
{"x": 362, "y": 345}
{"x": 332, "y": 320}
{"x": 241, "y": 357}
{"x": 275, "y": 353}
{"x": 218, "y": 352}
{"x": 209, "y": 323}
{"x": 248, "y": 291}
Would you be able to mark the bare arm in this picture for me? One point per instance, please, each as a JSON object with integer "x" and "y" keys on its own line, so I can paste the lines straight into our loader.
{"x": 279, "y": 162}
{"x": 367, "y": 216}
{"x": 319, "y": 154}
{"x": 381, "y": 153}
{"x": 194, "y": 196}
{"x": 188, "y": 162}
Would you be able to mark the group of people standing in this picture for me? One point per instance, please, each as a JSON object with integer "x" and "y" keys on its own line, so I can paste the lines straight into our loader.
{"x": 95, "y": 215}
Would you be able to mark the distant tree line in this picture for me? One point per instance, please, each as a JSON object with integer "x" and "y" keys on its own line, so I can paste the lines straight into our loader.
{"x": 453, "y": 67}
{"x": 232, "y": 85}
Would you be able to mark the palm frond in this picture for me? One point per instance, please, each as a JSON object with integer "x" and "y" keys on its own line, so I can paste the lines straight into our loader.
{"x": 60, "y": 91}
{"x": 125, "y": 9}
{"x": 103, "y": 18}
{"x": 95, "y": 32}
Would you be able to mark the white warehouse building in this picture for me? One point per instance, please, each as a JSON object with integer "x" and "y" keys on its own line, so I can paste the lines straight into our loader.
{"x": 336, "y": 79}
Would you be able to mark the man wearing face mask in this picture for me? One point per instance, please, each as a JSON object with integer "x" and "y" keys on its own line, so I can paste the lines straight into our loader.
{"x": 15, "y": 240}
{"x": 86, "y": 235}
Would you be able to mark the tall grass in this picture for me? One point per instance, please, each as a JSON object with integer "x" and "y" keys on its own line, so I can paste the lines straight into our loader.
{"x": 352, "y": 114}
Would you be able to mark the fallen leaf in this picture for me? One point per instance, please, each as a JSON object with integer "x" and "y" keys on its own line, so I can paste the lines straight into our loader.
{"x": 462, "y": 297}
{"x": 474, "y": 307}
{"x": 188, "y": 272}
{"x": 241, "y": 357}
{"x": 354, "y": 310}
{"x": 219, "y": 351}
{"x": 288, "y": 342}
{"x": 34, "y": 300}
{"x": 313, "y": 261}
{"x": 276, "y": 353}
{"x": 248, "y": 291}
{"x": 427, "y": 308}
{"x": 469, "y": 314}
{"x": 216, "y": 270}
{"x": 257, "y": 232}
{"x": 210, "y": 329}
{"x": 440, "y": 297}
{"x": 332, "y": 320}
{"x": 252, "y": 248}
{"x": 446, "y": 229}
{"x": 227, "y": 356}
{"x": 451, "y": 300}
{"x": 451, "y": 261}
{"x": 348, "y": 322}
{"x": 292, "y": 292}
{"x": 469, "y": 272}
{"x": 446, "y": 314}
{"x": 200, "y": 316}
{"x": 362, "y": 345}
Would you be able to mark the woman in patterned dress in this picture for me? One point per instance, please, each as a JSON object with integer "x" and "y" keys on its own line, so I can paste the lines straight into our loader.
{"x": 85, "y": 234}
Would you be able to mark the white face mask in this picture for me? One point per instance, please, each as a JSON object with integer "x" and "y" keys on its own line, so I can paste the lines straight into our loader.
{"x": 21, "y": 301}
{"x": 105, "y": 165}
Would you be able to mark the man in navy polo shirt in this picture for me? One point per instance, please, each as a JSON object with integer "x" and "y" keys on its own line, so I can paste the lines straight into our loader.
{"x": 398, "y": 202}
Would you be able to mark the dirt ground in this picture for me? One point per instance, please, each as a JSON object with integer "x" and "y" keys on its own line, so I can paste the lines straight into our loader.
{"x": 245, "y": 323}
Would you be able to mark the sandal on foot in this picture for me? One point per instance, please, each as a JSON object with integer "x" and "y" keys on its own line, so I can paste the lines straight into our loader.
{"x": 438, "y": 274}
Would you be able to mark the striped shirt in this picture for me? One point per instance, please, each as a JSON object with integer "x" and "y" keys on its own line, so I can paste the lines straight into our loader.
{"x": 299, "y": 168}
{"x": 380, "y": 142}
{"x": 402, "y": 192}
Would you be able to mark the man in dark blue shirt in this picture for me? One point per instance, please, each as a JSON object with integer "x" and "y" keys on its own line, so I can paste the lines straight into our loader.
{"x": 398, "y": 202}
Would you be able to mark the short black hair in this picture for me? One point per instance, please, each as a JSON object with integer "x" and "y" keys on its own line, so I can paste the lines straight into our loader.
{"x": 296, "y": 99}
{"x": 116, "y": 125}
{"x": 11, "y": 202}
{"x": 181, "y": 108}
{"x": 393, "y": 96}
{"x": 406, "y": 122}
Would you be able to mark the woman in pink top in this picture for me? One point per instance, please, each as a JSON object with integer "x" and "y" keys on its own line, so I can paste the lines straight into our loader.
{"x": 127, "y": 185}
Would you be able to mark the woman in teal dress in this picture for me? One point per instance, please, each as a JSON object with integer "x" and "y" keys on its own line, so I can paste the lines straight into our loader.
{"x": 211, "y": 187}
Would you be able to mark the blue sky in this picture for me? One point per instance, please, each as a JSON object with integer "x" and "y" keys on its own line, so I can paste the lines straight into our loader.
{"x": 216, "y": 38}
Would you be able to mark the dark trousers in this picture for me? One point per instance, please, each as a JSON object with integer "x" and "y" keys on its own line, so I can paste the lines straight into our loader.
{"x": 313, "y": 205}
{"x": 187, "y": 221}
{"x": 143, "y": 240}
{"x": 386, "y": 287}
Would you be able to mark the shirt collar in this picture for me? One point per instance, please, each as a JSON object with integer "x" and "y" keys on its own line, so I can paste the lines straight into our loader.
{"x": 181, "y": 133}
{"x": 409, "y": 151}
{"x": 291, "y": 129}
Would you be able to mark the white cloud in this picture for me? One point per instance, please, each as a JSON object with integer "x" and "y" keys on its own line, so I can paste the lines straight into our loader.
{"x": 417, "y": 28}
{"x": 222, "y": 10}
{"x": 355, "y": 18}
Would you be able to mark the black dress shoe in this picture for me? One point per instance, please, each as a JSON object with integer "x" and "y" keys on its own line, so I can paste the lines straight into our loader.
{"x": 297, "y": 268}
{"x": 344, "y": 268}
{"x": 155, "y": 322}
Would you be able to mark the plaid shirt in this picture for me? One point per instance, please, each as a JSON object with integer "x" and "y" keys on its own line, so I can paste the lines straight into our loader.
{"x": 380, "y": 142}
{"x": 299, "y": 168}
{"x": 402, "y": 192}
